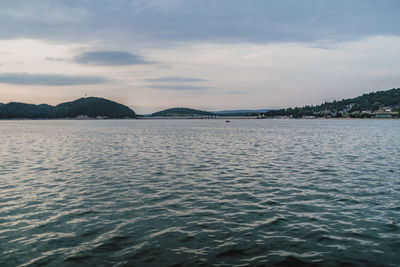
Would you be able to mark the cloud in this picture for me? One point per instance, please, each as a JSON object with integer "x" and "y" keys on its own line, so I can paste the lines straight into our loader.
{"x": 176, "y": 79}
{"x": 49, "y": 79}
{"x": 178, "y": 83}
{"x": 55, "y": 59}
{"x": 190, "y": 20}
{"x": 181, "y": 87}
{"x": 109, "y": 58}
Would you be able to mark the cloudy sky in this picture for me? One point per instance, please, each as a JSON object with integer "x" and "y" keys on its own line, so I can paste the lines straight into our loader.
{"x": 207, "y": 54}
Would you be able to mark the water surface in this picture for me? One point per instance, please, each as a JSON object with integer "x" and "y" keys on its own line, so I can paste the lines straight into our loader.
{"x": 200, "y": 192}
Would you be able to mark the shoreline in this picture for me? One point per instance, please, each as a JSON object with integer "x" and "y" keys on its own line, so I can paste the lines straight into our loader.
{"x": 187, "y": 118}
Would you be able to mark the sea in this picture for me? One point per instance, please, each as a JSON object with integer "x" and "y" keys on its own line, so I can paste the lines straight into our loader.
{"x": 263, "y": 192}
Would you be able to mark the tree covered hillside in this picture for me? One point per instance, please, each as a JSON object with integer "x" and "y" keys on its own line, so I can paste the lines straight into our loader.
{"x": 90, "y": 106}
{"x": 181, "y": 112}
{"x": 362, "y": 106}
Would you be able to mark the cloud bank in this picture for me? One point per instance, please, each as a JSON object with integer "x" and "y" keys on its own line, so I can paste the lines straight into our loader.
{"x": 176, "y": 79}
{"x": 179, "y": 87}
{"x": 262, "y": 21}
{"x": 49, "y": 79}
{"x": 109, "y": 58}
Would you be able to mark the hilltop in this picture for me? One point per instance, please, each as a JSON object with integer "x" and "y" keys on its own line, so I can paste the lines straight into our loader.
{"x": 92, "y": 107}
{"x": 181, "y": 112}
{"x": 376, "y": 104}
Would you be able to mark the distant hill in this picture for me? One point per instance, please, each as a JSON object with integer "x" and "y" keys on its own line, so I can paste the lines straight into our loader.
{"x": 181, "y": 112}
{"x": 240, "y": 112}
{"x": 365, "y": 105}
{"x": 90, "y": 106}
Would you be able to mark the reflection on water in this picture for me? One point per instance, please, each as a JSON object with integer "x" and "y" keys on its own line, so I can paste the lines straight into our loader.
{"x": 200, "y": 192}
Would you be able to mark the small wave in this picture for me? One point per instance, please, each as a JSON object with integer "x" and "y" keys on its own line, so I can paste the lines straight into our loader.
{"x": 113, "y": 244}
{"x": 295, "y": 262}
{"x": 233, "y": 252}
{"x": 78, "y": 258}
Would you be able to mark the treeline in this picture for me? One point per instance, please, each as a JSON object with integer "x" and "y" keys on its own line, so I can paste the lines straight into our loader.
{"x": 361, "y": 106}
{"x": 91, "y": 106}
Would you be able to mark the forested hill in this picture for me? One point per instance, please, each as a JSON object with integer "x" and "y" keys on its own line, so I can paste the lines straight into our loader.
{"x": 362, "y": 106}
{"x": 181, "y": 112}
{"x": 93, "y": 107}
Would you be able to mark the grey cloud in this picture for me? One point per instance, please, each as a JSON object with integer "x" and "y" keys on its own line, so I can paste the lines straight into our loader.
{"x": 49, "y": 79}
{"x": 176, "y": 79}
{"x": 56, "y": 59}
{"x": 236, "y": 92}
{"x": 232, "y": 20}
{"x": 109, "y": 58}
{"x": 180, "y": 87}
{"x": 178, "y": 83}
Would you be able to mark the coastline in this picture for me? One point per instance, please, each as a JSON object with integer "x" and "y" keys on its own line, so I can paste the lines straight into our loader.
{"x": 188, "y": 118}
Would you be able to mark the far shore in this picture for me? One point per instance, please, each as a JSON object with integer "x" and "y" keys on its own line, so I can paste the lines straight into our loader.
{"x": 191, "y": 118}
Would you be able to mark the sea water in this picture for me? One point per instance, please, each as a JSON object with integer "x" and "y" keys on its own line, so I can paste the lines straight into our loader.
{"x": 199, "y": 192}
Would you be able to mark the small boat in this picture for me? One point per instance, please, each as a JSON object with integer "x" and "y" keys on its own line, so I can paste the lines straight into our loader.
{"x": 227, "y": 121}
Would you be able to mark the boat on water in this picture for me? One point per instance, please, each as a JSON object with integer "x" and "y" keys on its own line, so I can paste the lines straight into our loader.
{"x": 227, "y": 121}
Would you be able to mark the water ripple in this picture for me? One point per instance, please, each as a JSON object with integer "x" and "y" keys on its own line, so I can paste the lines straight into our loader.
{"x": 200, "y": 193}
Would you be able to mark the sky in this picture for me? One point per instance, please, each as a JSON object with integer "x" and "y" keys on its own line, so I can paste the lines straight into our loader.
{"x": 205, "y": 54}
